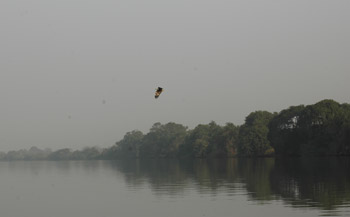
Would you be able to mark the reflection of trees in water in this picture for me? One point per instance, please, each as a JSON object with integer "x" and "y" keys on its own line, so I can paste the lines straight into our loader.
{"x": 256, "y": 176}
{"x": 318, "y": 182}
{"x": 164, "y": 176}
{"x": 212, "y": 175}
{"x": 174, "y": 176}
{"x": 299, "y": 182}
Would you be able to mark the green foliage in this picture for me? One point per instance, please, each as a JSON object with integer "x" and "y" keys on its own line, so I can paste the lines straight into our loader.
{"x": 252, "y": 140}
{"x": 163, "y": 140}
{"x": 284, "y": 131}
{"x": 319, "y": 129}
{"x": 230, "y": 139}
{"x": 210, "y": 140}
{"x": 197, "y": 142}
{"x": 129, "y": 146}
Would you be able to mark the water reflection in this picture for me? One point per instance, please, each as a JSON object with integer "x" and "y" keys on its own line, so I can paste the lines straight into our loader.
{"x": 322, "y": 183}
{"x": 317, "y": 182}
{"x": 302, "y": 183}
{"x": 174, "y": 176}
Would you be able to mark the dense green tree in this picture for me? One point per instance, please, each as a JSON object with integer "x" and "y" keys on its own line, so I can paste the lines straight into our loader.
{"x": 163, "y": 140}
{"x": 129, "y": 146}
{"x": 319, "y": 129}
{"x": 196, "y": 142}
{"x": 285, "y": 134}
{"x": 210, "y": 140}
{"x": 252, "y": 140}
{"x": 230, "y": 139}
{"x": 216, "y": 145}
{"x": 324, "y": 123}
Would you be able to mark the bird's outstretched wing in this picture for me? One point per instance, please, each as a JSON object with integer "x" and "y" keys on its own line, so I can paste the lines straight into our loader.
{"x": 159, "y": 90}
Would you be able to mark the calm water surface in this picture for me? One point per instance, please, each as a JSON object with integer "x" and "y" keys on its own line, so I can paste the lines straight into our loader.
{"x": 235, "y": 187}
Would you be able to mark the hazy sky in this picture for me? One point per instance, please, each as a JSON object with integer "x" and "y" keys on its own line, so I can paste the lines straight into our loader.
{"x": 76, "y": 73}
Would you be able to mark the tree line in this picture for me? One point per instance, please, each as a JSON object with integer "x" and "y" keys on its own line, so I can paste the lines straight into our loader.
{"x": 319, "y": 129}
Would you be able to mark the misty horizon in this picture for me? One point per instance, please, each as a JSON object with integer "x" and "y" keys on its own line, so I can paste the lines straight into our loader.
{"x": 81, "y": 74}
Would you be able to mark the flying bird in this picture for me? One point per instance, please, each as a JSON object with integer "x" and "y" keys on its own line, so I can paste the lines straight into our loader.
{"x": 159, "y": 90}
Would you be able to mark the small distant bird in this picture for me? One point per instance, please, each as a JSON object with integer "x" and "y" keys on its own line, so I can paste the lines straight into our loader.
{"x": 159, "y": 90}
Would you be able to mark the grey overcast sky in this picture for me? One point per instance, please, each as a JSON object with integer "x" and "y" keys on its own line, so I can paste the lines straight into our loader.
{"x": 78, "y": 73}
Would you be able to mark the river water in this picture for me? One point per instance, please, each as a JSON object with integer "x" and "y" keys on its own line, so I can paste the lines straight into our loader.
{"x": 189, "y": 188}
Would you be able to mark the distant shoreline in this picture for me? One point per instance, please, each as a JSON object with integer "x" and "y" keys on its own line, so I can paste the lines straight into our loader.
{"x": 321, "y": 129}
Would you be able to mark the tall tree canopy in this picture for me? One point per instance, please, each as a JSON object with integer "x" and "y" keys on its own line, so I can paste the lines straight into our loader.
{"x": 163, "y": 140}
{"x": 252, "y": 140}
{"x": 319, "y": 129}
